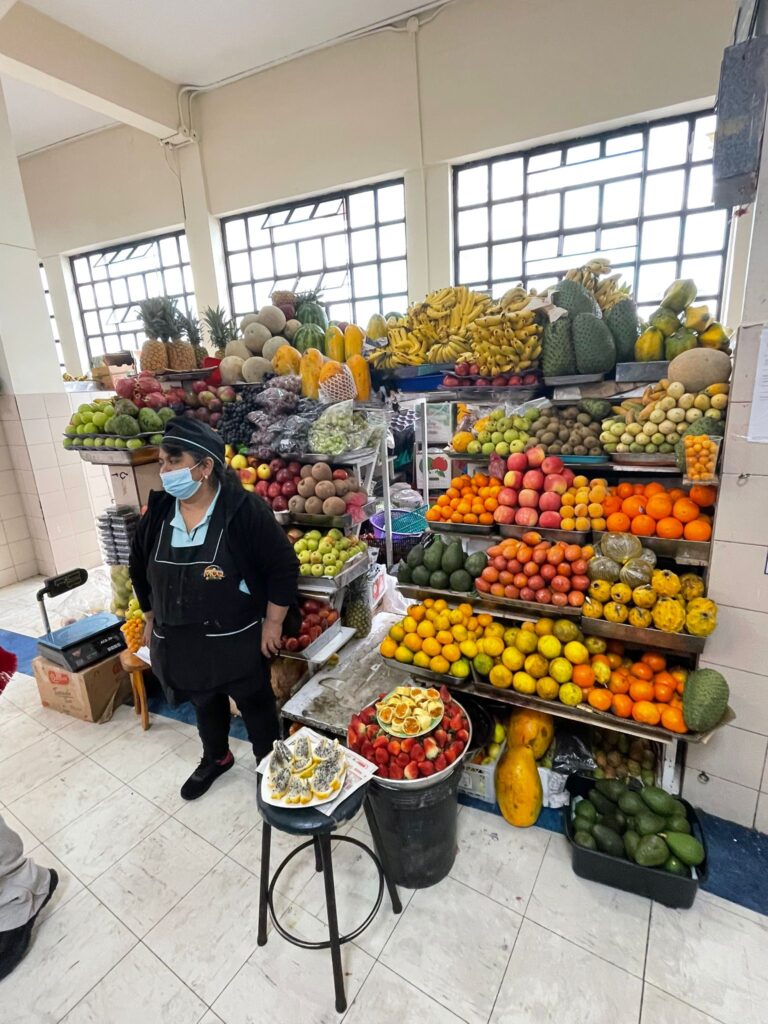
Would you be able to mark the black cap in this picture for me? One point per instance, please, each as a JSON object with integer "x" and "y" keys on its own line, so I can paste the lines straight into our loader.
{"x": 195, "y": 437}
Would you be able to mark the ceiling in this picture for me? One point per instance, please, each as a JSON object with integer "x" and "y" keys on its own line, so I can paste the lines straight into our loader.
{"x": 191, "y": 42}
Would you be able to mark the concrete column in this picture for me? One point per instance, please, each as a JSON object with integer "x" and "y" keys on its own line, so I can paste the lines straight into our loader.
{"x": 416, "y": 234}
{"x": 206, "y": 251}
{"x": 63, "y": 300}
{"x": 439, "y": 226}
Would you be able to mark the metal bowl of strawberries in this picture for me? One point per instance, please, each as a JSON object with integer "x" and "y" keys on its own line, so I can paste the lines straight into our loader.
{"x": 408, "y": 762}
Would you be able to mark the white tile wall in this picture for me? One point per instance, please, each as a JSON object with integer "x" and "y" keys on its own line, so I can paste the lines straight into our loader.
{"x": 761, "y": 818}
{"x": 732, "y": 754}
{"x": 737, "y": 575}
{"x": 720, "y": 797}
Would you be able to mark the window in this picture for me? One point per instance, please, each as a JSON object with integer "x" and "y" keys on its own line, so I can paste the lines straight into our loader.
{"x": 110, "y": 282}
{"x": 350, "y": 246}
{"x": 641, "y": 196}
{"x": 54, "y": 327}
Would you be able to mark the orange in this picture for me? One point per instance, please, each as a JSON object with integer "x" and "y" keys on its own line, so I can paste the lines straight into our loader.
{"x": 425, "y": 629}
{"x": 619, "y": 682}
{"x": 612, "y": 504}
{"x": 600, "y": 699}
{"x": 451, "y": 652}
{"x": 634, "y": 506}
{"x": 412, "y": 641}
{"x": 641, "y": 691}
{"x": 659, "y": 506}
{"x": 657, "y": 662}
{"x": 439, "y": 664}
{"x": 431, "y": 647}
{"x": 433, "y": 515}
{"x": 663, "y": 692}
{"x": 702, "y": 495}
{"x": 654, "y": 487}
{"x": 646, "y": 712}
{"x": 672, "y": 719}
{"x": 583, "y": 676}
{"x": 642, "y": 670}
{"x": 486, "y": 519}
{"x": 444, "y": 637}
{"x": 669, "y": 528}
{"x": 387, "y": 648}
{"x": 685, "y": 510}
{"x": 643, "y": 526}
{"x": 622, "y": 705}
{"x": 698, "y": 529}
{"x": 490, "y": 504}
{"x": 625, "y": 491}
{"x": 470, "y": 518}
{"x": 618, "y": 522}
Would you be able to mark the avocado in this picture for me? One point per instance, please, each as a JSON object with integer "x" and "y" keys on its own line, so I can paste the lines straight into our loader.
{"x": 686, "y": 848}
{"x": 676, "y": 824}
{"x": 647, "y": 823}
{"x": 631, "y": 803}
{"x": 631, "y": 840}
{"x": 404, "y": 574}
{"x": 453, "y": 557}
{"x": 438, "y": 580}
{"x": 582, "y": 824}
{"x": 586, "y": 840}
{"x": 415, "y": 556}
{"x": 420, "y": 576}
{"x": 658, "y": 801}
{"x": 475, "y": 564}
{"x": 586, "y": 809}
{"x": 611, "y": 788}
{"x": 651, "y": 852}
{"x": 679, "y": 811}
{"x": 461, "y": 581}
{"x": 608, "y": 841}
{"x": 601, "y": 802}
{"x": 433, "y": 555}
{"x": 676, "y": 867}
{"x": 616, "y": 821}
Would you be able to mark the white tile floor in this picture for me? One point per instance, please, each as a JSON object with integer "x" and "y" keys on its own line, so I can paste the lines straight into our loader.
{"x": 155, "y": 916}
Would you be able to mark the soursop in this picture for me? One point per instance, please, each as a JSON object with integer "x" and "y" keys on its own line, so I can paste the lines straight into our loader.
{"x": 623, "y": 324}
{"x": 149, "y": 421}
{"x": 125, "y": 407}
{"x": 575, "y": 298}
{"x": 705, "y": 699}
{"x": 597, "y": 408}
{"x": 123, "y": 425}
{"x": 593, "y": 344}
{"x": 557, "y": 356}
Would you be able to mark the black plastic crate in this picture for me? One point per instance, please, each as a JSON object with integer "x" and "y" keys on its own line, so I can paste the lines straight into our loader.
{"x": 655, "y": 883}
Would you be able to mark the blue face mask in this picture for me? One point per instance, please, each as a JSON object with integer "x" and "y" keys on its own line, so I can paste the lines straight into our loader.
{"x": 180, "y": 483}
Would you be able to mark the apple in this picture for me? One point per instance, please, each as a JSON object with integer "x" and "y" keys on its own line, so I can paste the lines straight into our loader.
{"x": 340, "y": 474}
{"x": 295, "y": 468}
{"x": 198, "y": 386}
{"x": 550, "y": 520}
{"x": 556, "y": 483}
{"x": 549, "y": 502}
{"x": 213, "y": 420}
{"x": 569, "y": 475}
{"x": 528, "y": 498}
{"x": 263, "y": 472}
{"x": 517, "y": 461}
{"x": 515, "y": 380}
{"x": 535, "y": 456}
{"x": 462, "y": 369}
{"x": 526, "y": 594}
{"x": 227, "y": 394}
{"x": 205, "y": 396}
{"x": 238, "y": 462}
{"x": 247, "y": 475}
{"x": 499, "y": 382}
{"x": 534, "y": 479}
{"x": 282, "y": 475}
{"x": 273, "y": 490}
{"x": 513, "y": 478}
{"x": 262, "y": 487}
{"x": 482, "y": 382}
{"x": 449, "y": 381}
{"x": 504, "y": 514}
{"x": 279, "y": 504}
{"x": 526, "y": 516}
{"x": 288, "y": 489}
{"x": 508, "y": 496}
{"x": 552, "y": 464}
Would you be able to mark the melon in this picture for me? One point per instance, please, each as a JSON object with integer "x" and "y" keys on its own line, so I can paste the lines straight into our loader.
{"x": 237, "y": 348}
{"x": 272, "y": 345}
{"x": 705, "y": 699}
{"x": 697, "y": 368}
{"x": 255, "y": 368}
{"x": 249, "y": 318}
{"x": 290, "y": 328}
{"x": 272, "y": 318}
{"x": 255, "y": 336}
{"x": 231, "y": 368}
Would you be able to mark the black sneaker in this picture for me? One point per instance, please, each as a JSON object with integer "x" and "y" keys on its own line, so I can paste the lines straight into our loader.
{"x": 204, "y": 776}
{"x": 15, "y": 943}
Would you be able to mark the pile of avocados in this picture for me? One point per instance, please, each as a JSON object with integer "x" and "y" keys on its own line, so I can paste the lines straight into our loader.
{"x": 647, "y": 826}
{"x": 442, "y": 566}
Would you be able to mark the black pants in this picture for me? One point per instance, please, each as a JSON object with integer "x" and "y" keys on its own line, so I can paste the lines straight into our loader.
{"x": 256, "y": 705}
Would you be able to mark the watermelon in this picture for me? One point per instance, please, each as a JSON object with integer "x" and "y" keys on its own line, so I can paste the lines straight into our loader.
{"x": 309, "y": 335}
{"x": 312, "y": 313}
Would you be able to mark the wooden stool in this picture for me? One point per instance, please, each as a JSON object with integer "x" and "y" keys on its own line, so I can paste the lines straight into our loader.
{"x": 135, "y": 667}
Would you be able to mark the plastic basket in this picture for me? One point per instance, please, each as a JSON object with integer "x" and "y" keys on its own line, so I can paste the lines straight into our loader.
{"x": 404, "y": 524}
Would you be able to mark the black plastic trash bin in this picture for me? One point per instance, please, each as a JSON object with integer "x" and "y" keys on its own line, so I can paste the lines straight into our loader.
{"x": 414, "y": 828}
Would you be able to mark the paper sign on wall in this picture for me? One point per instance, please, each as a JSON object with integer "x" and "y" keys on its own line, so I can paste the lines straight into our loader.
{"x": 758, "y": 416}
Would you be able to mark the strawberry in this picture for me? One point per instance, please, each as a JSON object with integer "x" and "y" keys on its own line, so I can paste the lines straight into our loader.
{"x": 381, "y": 755}
{"x": 441, "y": 738}
{"x": 431, "y": 749}
{"x": 403, "y": 758}
{"x": 458, "y": 746}
{"x": 352, "y": 738}
{"x": 440, "y": 763}
{"x": 396, "y": 771}
{"x": 411, "y": 771}
{"x": 462, "y": 735}
{"x": 383, "y": 772}
{"x": 446, "y": 722}
{"x": 445, "y": 696}
{"x": 368, "y": 714}
{"x": 456, "y": 723}
{"x": 406, "y": 745}
{"x": 373, "y": 730}
{"x": 417, "y": 752}
{"x": 366, "y": 750}
{"x": 450, "y": 755}
{"x": 394, "y": 747}
{"x": 427, "y": 768}
{"x": 381, "y": 741}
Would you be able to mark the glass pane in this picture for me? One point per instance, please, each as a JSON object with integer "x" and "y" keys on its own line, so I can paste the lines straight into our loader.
{"x": 700, "y": 186}
{"x": 704, "y": 137}
{"x": 587, "y": 151}
{"x": 391, "y": 202}
{"x": 120, "y": 292}
{"x": 473, "y": 265}
{"x": 507, "y": 219}
{"x": 541, "y": 249}
{"x": 660, "y": 238}
{"x": 655, "y": 278}
{"x": 136, "y": 288}
{"x": 174, "y": 284}
{"x": 364, "y": 245}
{"x": 394, "y": 276}
{"x": 87, "y": 298}
{"x": 92, "y": 324}
{"x": 473, "y": 226}
{"x": 704, "y": 232}
{"x": 472, "y": 185}
{"x": 361, "y": 209}
{"x": 103, "y": 294}
{"x": 621, "y": 200}
{"x": 581, "y": 207}
{"x": 336, "y": 250}
{"x": 579, "y": 244}
{"x": 257, "y": 233}
{"x": 261, "y": 264}
{"x": 81, "y": 270}
{"x": 664, "y": 192}
{"x": 544, "y": 161}
{"x": 392, "y": 240}
{"x": 311, "y": 254}
{"x": 286, "y": 261}
{"x": 624, "y": 144}
{"x": 617, "y": 238}
{"x": 154, "y": 283}
{"x": 395, "y": 304}
{"x": 242, "y": 296}
{"x": 507, "y": 260}
{"x": 239, "y": 267}
{"x": 507, "y": 178}
{"x": 365, "y": 310}
{"x": 543, "y": 214}
{"x": 584, "y": 174}
{"x": 341, "y": 311}
{"x": 366, "y": 280}
{"x": 667, "y": 145}
{"x": 169, "y": 252}
{"x": 705, "y": 271}
{"x": 234, "y": 235}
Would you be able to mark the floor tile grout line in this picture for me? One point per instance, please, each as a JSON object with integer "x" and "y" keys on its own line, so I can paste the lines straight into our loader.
{"x": 645, "y": 962}
{"x": 697, "y": 1009}
{"x": 586, "y": 949}
{"x": 412, "y": 984}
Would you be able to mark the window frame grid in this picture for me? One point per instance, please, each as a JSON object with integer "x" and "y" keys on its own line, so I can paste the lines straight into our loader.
{"x": 186, "y": 299}
{"x": 316, "y": 201}
{"x": 52, "y": 317}
{"x": 630, "y": 271}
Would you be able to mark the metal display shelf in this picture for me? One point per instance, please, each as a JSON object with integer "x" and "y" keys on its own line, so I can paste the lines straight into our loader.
{"x": 326, "y": 645}
{"x": 566, "y": 536}
{"x": 684, "y": 552}
{"x": 323, "y": 522}
{"x": 516, "y": 395}
{"x": 506, "y": 607}
{"x": 574, "y": 379}
{"x": 427, "y": 675}
{"x": 467, "y": 529}
{"x": 330, "y": 584}
{"x": 680, "y": 643}
{"x": 118, "y": 456}
{"x": 641, "y": 373}
{"x": 651, "y": 460}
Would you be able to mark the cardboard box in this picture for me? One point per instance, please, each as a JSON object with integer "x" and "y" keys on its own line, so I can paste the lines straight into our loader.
{"x": 91, "y": 695}
{"x": 440, "y": 471}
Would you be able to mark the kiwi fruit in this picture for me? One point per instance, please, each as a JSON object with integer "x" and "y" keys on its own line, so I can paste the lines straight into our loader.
{"x": 296, "y": 504}
{"x": 322, "y": 471}
{"x": 325, "y": 489}
{"x": 306, "y": 487}
{"x": 313, "y": 506}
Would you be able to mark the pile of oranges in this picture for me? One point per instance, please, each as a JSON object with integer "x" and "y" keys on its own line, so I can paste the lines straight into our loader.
{"x": 700, "y": 456}
{"x": 442, "y": 639}
{"x": 646, "y": 510}
{"x": 645, "y": 690}
{"x": 469, "y": 500}
{"x": 133, "y": 631}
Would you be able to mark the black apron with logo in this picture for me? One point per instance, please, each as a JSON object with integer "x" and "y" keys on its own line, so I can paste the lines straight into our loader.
{"x": 207, "y": 632}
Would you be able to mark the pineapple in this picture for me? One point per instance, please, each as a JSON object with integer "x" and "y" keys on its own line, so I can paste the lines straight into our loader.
{"x": 153, "y": 356}
{"x": 190, "y": 330}
{"x": 220, "y": 329}
{"x": 283, "y": 298}
{"x": 181, "y": 355}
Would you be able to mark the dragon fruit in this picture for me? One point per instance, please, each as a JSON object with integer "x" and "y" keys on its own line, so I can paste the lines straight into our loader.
{"x": 156, "y": 400}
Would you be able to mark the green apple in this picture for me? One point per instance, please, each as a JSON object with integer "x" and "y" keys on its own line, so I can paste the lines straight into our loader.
{"x": 516, "y": 446}
{"x": 497, "y": 436}
{"x": 502, "y": 448}
{"x": 299, "y": 546}
{"x": 474, "y": 448}
{"x": 88, "y": 442}
{"x": 304, "y": 558}
{"x": 313, "y": 535}
{"x": 68, "y": 441}
{"x": 329, "y": 558}
{"x": 318, "y": 569}
{"x": 325, "y": 546}
{"x": 305, "y": 570}
{"x": 109, "y": 442}
{"x": 510, "y": 436}
{"x": 120, "y": 442}
{"x": 135, "y": 442}
{"x": 312, "y": 543}
{"x": 484, "y": 436}
{"x": 76, "y": 420}
{"x": 488, "y": 448}
{"x": 335, "y": 534}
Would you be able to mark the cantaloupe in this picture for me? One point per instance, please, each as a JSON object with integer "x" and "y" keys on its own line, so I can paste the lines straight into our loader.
{"x": 249, "y": 318}
{"x": 255, "y": 368}
{"x": 697, "y": 368}
{"x": 272, "y": 345}
{"x": 231, "y": 369}
{"x": 291, "y": 326}
{"x": 237, "y": 348}
{"x": 272, "y": 318}
{"x": 255, "y": 337}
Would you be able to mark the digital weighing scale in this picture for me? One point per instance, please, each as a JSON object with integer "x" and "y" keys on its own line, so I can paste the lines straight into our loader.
{"x": 82, "y": 643}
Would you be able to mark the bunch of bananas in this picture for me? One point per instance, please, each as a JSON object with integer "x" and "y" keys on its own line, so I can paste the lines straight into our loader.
{"x": 505, "y": 340}
{"x": 435, "y": 331}
{"x": 607, "y": 292}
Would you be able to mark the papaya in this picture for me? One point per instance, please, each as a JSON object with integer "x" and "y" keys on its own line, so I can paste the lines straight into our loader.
{"x": 679, "y": 295}
{"x": 533, "y": 729}
{"x": 309, "y": 370}
{"x": 334, "y": 343}
{"x": 353, "y": 341}
{"x": 358, "y": 367}
{"x": 649, "y": 346}
{"x": 518, "y": 787}
{"x": 664, "y": 320}
{"x": 680, "y": 341}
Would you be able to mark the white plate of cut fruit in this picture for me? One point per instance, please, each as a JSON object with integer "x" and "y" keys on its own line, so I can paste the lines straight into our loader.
{"x": 303, "y": 771}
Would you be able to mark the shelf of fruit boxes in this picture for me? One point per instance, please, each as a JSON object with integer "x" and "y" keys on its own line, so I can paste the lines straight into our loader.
{"x": 324, "y": 522}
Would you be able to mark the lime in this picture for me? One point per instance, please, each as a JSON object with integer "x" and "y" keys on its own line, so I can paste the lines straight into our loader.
{"x": 483, "y": 664}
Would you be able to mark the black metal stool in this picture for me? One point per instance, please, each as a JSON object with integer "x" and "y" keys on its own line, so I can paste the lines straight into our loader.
{"x": 310, "y": 822}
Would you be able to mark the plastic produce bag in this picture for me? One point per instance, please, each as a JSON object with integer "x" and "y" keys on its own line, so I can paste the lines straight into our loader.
{"x": 339, "y": 429}
{"x": 572, "y": 755}
{"x": 621, "y": 546}
{"x": 600, "y": 567}
{"x": 636, "y": 572}
{"x": 94, "y": 596}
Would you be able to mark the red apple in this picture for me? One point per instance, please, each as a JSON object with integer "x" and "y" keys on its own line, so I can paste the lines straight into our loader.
{"x": 513, "y": 478}
{"x": 569, "y": 476}
{"x": 527, "y": 516}
{"x": 340, "y": 474}
{"x": 276, "y": 465}
{"x": 528, "y": 499}
{"x": 508, "y": 496}
{"x": 499, "y": 382}
{"x": 550, "y": 520}
{"x": 261, "y": 488}
{"x": 504, "y": 514}
{"x": 280, "y": 504}
{"x": 462, "y": 369}
{"x": 295, "y": 468}
{"x": 515, "y": 380}
{"x": 555, "y": 482}
{"x": 248, "y": 475}
{"x": 282, "y": 475}
{"x": 549, "y": 502}
{"x": 288, "y": 489}
{"x": 517, "y": 461}
{"x": 534, "y": 479}
{"x": 535, "y": 456}
{"x": 552, "y": 464}
{"x": 273, "y": 490}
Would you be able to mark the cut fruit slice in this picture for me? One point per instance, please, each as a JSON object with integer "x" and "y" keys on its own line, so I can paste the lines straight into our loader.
{"x": 411, "y": 726}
